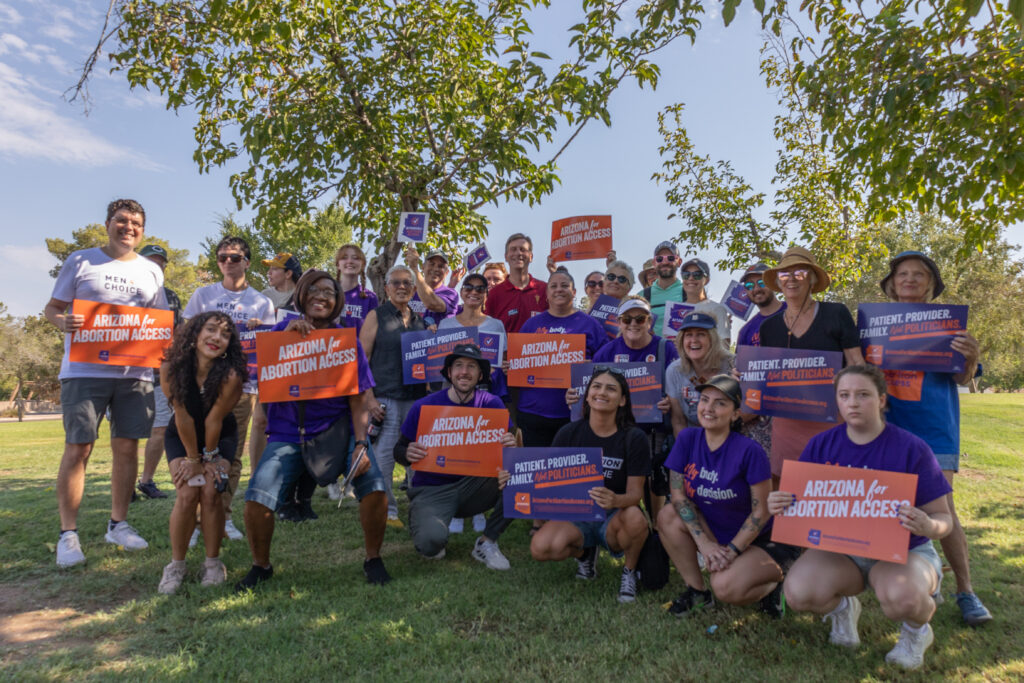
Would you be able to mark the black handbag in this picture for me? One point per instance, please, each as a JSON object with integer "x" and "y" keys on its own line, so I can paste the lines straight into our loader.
{"x": 653, "y": 565}
{"x": 326, "y": 453}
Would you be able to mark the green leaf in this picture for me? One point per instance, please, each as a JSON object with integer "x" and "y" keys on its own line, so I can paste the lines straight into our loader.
{"x": 1016, "y": 9}
{"x": 729, "y": 11}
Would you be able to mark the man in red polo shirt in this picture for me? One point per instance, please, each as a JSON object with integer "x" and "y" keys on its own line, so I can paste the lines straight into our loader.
{"x": 520, "y": 296}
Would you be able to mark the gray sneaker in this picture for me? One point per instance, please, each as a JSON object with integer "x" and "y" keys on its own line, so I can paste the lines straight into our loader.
{"x": 214, "y": 572}
{"x": 174, "y": 574}
{"x": 124, "y": 534}
{"x": 909, "y": 650}
{"x": 69, "y": 550}
{"x": 627, "y": 587}
{"x": 488, "y": 552}
{"x": 844, "y": 624}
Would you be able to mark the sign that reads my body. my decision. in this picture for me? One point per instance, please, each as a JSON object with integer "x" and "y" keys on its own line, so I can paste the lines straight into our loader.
{"x": 912, "y": 336}
{"x": 324, "y": 364}
{"x": 461, "y": 440}
{"x": 790, "y": 383}
{"x": 542, "y": 360}
{"x": 581, "y": 237}
{"x": 845, "y": 510}
{"x": 553, "y": 483}
{"x": 120, "y": 335}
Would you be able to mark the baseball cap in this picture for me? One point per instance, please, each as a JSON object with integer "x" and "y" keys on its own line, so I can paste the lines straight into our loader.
{"x": 154, "y": 250}
{"x": 436, "y": 252}
{"x": 666, "y": 245}
{"x": 727, "y": 384}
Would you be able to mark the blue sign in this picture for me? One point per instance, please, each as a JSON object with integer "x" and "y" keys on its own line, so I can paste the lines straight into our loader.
{"x": 553, "y": 483}
{"x": 912, "y": 336}
{"x": 423, "y": 353}
{"x": 791, "y": 383}
{"x": 606, "y": 312}
{"x": 645, "y": 388}
{"x": 737, "y": 300}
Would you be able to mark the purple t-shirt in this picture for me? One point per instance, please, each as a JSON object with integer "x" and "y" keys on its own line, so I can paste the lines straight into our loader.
{"x": 481, "y": 399}
{"x": 750, "y": 334}
{"x": 616, "y": 351}
{"x": 719, "y": 481}
{"x": 321, "y": 413}
{"x": 894, "y": 450}
{"x": 551, "y": 402}
{"x": 447, "y": 294}
{"x": 357, "y": 307}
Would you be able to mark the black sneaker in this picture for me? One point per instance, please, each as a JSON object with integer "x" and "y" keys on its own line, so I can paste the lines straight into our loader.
{"x": 586, "y": 565}
{"x": 691, "y": 601}
{"x": 255, "y": 577}
{"x": 289, "y": 512}
{"x": 375, "y": 571}
{"x": 774, "y": 604}
{"x": 304, "y": 511}
{"x": 149, "y": 489}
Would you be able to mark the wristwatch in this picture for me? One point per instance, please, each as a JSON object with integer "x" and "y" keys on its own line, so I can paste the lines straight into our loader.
{"x": 363, "y": 442}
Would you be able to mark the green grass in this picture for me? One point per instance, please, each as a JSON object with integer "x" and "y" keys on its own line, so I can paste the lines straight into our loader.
{"x": 452, "y": 619}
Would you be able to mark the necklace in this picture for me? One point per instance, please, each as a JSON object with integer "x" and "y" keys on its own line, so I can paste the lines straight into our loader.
{"x": 790, "y": 325}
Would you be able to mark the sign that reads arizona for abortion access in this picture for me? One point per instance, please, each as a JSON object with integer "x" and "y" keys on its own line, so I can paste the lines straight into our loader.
{"x": 120, "y": 335}
{"x": 542, "y": 361}
{"x": 845, "y": 510}
{"x": 581, "y": 237}
{"x": 912, "y": 336}
{"x": 323, "y": 364}
{"x": 790, "y": 383}
{"x": 553, "y": 483}
{"x": 461, "y": 440}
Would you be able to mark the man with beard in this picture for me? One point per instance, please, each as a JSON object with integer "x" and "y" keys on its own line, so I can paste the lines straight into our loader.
{"x": 763, "y": 298}
{"x": 666, "y": 287}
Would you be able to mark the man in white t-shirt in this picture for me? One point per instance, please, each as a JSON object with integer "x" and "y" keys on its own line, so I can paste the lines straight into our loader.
{"x": 244, "y": 305}
{"x": 112, "y": 274}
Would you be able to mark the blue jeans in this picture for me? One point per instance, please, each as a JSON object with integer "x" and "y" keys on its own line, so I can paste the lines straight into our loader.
{"x": 596, "y": 533}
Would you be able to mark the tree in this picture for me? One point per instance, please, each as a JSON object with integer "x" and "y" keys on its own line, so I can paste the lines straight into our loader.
{"x": 314, "y": 241}
{"x": 180, "y": 275}
{"x": 442, "y": 105}
{"x": 30, "y": 355}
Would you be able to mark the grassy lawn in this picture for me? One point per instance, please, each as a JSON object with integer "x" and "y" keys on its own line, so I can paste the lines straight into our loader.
{"x": 317, "y": 618}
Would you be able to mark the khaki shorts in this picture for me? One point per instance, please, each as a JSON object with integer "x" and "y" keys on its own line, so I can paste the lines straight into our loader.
{"x": 84, "y": 401}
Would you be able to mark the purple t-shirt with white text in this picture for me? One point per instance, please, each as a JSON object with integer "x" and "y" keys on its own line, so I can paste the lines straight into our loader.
{"x": 719, "y": 481}
{"x": 321, "y": 413}
{"x": 551, "y": 402}
{"x": 357, "y": 306}
{"x": 451, "y": 301}
{"x": 750, "y": 334}
{"x": 894, "y": 450}
{"x": 481, "y": 399}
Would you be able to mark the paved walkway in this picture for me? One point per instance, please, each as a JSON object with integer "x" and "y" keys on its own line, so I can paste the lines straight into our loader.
{"x": 34, "y": 417}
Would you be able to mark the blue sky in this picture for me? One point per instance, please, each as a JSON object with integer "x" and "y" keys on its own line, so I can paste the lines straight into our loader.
{"x": 59, "y": 168}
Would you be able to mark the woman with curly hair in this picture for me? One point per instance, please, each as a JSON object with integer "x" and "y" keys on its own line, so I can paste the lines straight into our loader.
{"x": 202, "y": 375}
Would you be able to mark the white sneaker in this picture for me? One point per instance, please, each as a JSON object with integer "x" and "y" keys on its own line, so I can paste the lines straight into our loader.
{"x": 232, "y": 531}
{"x": 456, "y": 525}
{"x": 125, "y": 535}
{"x": 214, "y": 572}
{"x": 69, "y": 550}
{"x": 174, "y": 574}
{"x": 909, "y": 650}
{"x": 489, "y": 553}
{"x": 194, "y": 539}
{"x": 334, "y": 491}
{"x": 479, "y": 522}
{"x": 844, "y": 623}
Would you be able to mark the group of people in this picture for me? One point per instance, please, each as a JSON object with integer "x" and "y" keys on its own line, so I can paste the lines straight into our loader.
{"x": 705, "y": 477}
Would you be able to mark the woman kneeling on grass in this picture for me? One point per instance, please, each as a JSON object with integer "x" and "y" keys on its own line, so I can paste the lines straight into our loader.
{"x": 827, "y": 583}
{"x": 607, "y": 424}
{"x": 202, "y": 375}
{"x": 720, "y": 482}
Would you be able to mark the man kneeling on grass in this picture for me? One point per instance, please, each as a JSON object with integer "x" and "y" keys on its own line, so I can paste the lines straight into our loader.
{"x": 434, "y": 499}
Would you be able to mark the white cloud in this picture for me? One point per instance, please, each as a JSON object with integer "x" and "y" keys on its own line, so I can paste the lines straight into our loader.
{"x": 25, "y": 280}
{"x": 31, "y": 127}
{"x": 9, "y": 15}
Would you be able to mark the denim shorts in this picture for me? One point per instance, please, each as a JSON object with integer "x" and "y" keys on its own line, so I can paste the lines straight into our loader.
{"x": 949, "y": 461}
{"x": 596, "y": 533}
{"x": 281, "y": 466}
{"x": 85, "y": 400}
{"x": 925, "y": 550}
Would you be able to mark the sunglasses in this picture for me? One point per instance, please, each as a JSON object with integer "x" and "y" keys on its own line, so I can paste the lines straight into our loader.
{"x": 665, "y": 259}
{"x": 325, "y": 292}
{"x": 751, "y": 285}
{"x": 234, "y": 258}
{"x": 799, "y": 274}
{"x": 616, "y": 278}
{"x": 692, "y": 274}
{"x": 630, "y": 319}
{"x": 401, "y": 283}
{"x": 479, "y": 289}
{"x": 601, "y": 369}
{"x": 594, "y": 283}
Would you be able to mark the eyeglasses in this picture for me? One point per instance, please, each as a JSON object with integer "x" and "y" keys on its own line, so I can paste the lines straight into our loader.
{"x": 594, "y": 283}
{"x": 400, "y": 283}
{"x": 479, "y": 289}
{"x": 751, "y": 285}
{"x": 601, "y": 369}
{"x": 692, "y": 274}
{"x": 325, "y": 292}
{"x": 234, "y": 258}
{"x": 665, "y": 259}
{"x": 611, "y": 277}
{"x": 630, "y": 319}
{"x": 799, "y": 274}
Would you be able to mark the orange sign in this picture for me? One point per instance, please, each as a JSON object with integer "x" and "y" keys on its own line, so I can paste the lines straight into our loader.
{"x": 542, "y": 360}
{"x": 120, "y": 335}
{"x": 581, "y": 237}
{"x": 845, "y": 510}
{"x": 292, "y": 367}
{"x": 461, "y": 440}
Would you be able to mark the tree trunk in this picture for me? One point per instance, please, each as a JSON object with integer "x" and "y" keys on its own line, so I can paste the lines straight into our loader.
{"x": 379, "y": 266}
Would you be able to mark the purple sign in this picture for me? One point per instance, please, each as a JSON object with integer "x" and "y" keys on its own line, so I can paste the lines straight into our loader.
{"x": 645, "y": 388}
{"x": 553, "y": 483}
{"x": 606, "y": 312}
{"x": 790, "y": 383}
{"x": 412, "y": 226}
{"x": 423, "y": 353}
{"x": 737, "y": 300}
{"x": 248, "y": 339}
{"x": 674, "y": 313}
{"x": 477, "y": 256}
{"x": 912, "y": 336}
{"x": 490, "y": 346}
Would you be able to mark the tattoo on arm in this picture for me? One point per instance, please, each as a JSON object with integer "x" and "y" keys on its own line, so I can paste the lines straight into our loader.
{"x": 753, "y": 522}
{"x": 688, "y": 513}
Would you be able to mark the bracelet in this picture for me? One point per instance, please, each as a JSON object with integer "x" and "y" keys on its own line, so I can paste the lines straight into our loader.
{"x": 210, "y": 456}
{"x": 193, "y": 460}
{"x": 362, "y": 442}
{"x": 732, "y": 547}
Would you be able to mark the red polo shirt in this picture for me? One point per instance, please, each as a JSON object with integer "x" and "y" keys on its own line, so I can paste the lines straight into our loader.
{"x": 514, "y": 306}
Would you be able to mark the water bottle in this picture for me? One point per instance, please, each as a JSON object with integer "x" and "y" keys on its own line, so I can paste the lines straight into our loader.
{"x": 373, "y": 431}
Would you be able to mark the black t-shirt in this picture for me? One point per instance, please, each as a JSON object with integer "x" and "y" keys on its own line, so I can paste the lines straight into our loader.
{"x": 626, "y": 453}
{"x": 832, "y": 329}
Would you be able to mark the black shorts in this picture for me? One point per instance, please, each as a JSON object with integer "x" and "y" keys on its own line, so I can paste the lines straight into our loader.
{"x": 784, "y": 555}
{"x": 175, "y": 448}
